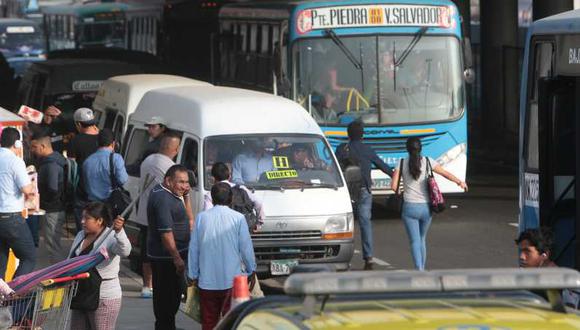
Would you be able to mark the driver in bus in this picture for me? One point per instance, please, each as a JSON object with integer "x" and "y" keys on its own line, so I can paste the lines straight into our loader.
{"x": 249, "y": 166}
{"x": 390, "y": 90}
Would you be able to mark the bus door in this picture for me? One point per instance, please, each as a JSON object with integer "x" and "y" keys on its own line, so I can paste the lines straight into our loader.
{"x": 558, "y": 164}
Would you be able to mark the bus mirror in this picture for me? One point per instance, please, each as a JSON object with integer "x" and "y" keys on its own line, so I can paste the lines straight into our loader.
{"x": 469, "y": 75}
{"x": 467, "y": 53}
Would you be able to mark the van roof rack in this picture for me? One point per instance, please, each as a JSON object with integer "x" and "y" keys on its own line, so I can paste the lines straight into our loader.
{"x": 456, "y": 280}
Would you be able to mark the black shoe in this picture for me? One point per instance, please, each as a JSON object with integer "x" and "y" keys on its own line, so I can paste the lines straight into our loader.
{"x": 369, "y": 264}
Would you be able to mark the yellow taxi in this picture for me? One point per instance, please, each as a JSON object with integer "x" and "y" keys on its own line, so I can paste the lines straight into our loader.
{"x": 479, "y": 299}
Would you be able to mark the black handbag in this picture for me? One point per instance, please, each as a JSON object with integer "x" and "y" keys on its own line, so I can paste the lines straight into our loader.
{"x": 89, "y": 290}
{"x": 398, "y": 199}
{"x": 120, "y": 198}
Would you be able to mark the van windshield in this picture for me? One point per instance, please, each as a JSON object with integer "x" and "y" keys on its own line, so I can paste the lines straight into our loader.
{"x": 273, "y": 161}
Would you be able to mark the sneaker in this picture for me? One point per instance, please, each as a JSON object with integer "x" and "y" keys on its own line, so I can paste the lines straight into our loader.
{"x": 369, "y": 264}
{"x": 146, "y": 292}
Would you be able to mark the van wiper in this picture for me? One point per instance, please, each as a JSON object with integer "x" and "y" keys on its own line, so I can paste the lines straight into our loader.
{"x": 411, "y": 45}
{"x": 344, "y": 49}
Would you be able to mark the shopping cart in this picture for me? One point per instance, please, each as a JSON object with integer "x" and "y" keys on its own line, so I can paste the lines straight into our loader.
{"x": 45, "y": 307}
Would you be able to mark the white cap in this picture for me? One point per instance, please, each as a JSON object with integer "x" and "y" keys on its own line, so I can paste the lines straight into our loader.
{"x": 156, "y": 120}
{"x": 84, "y": 115}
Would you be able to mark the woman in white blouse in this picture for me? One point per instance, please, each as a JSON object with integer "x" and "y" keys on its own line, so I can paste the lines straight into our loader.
{"x": 94, "y": 236}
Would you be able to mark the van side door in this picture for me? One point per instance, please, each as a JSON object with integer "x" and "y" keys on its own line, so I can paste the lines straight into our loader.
{"x": 190, "y": 158}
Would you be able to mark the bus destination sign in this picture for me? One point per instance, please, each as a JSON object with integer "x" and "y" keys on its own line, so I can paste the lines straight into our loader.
{"x": 373, "y": 16}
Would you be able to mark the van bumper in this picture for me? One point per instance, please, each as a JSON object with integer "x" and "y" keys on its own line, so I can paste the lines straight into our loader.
{"x": 337, "y": 253}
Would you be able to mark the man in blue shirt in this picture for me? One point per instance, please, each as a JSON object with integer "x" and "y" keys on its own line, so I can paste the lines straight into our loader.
{"x": 248, "y": 167}
{"x": 15, "y": 186}
{"x": 167, "y": 243}
{"x": 97, "y": 171}
{"x": 221, "y": 234}
{"x": 365, "y": 156}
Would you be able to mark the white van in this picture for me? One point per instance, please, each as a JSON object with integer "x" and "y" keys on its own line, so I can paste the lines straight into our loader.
{"x": 118, "y": 97}
{"x": 308, "y": 212}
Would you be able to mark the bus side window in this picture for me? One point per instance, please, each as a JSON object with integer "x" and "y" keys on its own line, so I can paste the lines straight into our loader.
{"x": 542, "y": 68}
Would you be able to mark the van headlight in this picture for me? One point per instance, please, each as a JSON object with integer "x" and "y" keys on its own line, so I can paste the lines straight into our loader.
{"x": 339, "y": 227}
{"x": 452, "y": 154}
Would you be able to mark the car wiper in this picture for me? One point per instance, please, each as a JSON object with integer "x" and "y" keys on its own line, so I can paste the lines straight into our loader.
{"x": 411, "y": 45}
{"x": 325, "y": 185}
{"x": 344, "y": 49}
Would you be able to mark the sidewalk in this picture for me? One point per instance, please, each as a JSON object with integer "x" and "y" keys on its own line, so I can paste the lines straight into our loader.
{"x": 136, "y": 312}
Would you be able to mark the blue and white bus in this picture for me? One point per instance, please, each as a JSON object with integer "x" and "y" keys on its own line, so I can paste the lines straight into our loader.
{"x": 21, "y": 43}
{"x": 396, "y": 65}
{"x": 549, "y": 122}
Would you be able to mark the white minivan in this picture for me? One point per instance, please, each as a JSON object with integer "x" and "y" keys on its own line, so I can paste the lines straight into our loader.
{"x": 308, "y": 214}
{"x": 118, "y": 97}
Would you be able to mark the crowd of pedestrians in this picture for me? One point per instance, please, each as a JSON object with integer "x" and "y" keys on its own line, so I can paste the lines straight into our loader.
{"x": 178, "y": 248}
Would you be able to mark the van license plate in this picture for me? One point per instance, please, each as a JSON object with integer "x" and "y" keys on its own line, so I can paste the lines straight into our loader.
{"x": 282, "y": 267}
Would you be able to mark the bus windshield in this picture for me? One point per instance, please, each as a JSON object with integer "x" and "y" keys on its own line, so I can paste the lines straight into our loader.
{"x": 273, "y": 161}
{"x": 21, "y": 42}
{"x": 336, "y": 78}
{"x": 103, "y": 33}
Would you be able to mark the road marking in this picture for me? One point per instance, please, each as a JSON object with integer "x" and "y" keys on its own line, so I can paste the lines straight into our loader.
{"x": 381, "y": 262}
{"x": 514, "y": 224}
{"x": 376, "y": 260}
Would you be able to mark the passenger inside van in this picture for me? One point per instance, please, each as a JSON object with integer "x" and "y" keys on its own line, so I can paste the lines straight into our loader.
{"x": 302, "y": 158}
{"x": 249, "y": 165}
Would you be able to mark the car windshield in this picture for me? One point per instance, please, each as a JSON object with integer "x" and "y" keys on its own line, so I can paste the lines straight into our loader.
{"x": 273, "y": 161}
{"x": 21, "y": 42}
{"x": 416, "y": 83}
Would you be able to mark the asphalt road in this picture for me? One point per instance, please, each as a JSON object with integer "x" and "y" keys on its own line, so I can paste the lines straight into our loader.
{"x": 476, "y": 230}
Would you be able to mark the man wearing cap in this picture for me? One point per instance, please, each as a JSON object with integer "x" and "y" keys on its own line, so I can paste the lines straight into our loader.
{"x": 80, "y": 147}
{"x": 156, "y": 127}
{"x": 96, "y": 171}
{"x": 86, "y": 142}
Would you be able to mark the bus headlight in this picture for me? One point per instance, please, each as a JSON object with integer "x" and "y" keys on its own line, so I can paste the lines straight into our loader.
{"x": 452, "y": 154}
{"x": 339, "y": 227}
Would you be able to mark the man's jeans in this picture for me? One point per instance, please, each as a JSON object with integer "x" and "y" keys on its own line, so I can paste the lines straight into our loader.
{"x": 15, "y": 235}
{"x": 364, "y": 206}
{"x": 52, "y": 225}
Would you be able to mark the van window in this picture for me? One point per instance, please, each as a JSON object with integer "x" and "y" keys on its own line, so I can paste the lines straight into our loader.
{"x": 189, "y": 157}
{"x": 109, "y": 118}
{"x": 274, "y": 161}
{"x": 126, "y": 139}
{"x": 118, "y": 127}
{"x": 134, "y": 151}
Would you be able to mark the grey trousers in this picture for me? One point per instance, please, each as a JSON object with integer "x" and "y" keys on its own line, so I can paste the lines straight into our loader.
{"x": 52, "y": 225}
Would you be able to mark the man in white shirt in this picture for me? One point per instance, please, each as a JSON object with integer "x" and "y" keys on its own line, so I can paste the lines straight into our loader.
{"x": 153, "y": 168}
{"x": 15, "y": 186}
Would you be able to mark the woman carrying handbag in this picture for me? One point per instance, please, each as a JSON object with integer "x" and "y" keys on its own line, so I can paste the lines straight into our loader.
{"x": 416, "y": 210}
{"x": 98, "y": 300}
